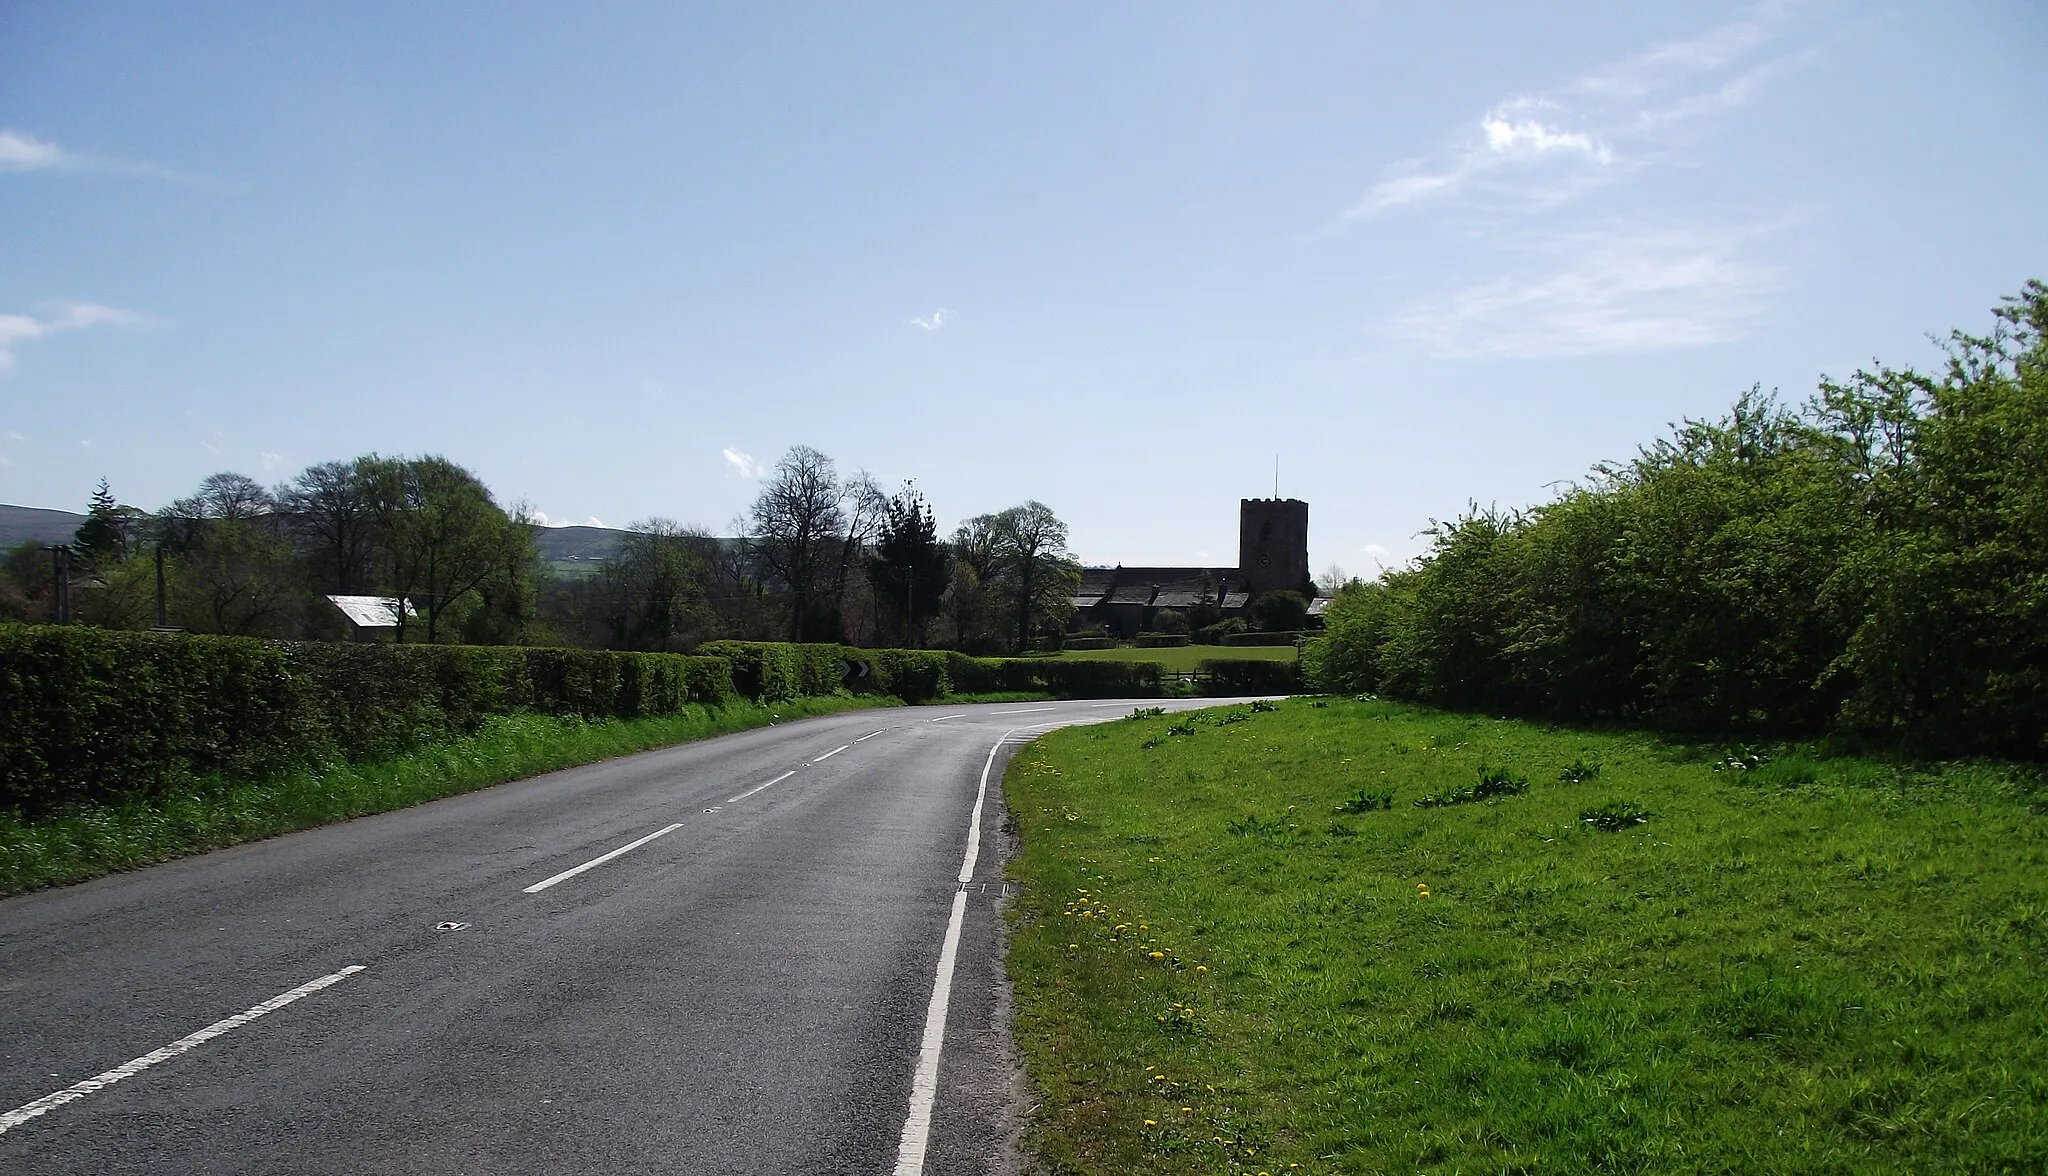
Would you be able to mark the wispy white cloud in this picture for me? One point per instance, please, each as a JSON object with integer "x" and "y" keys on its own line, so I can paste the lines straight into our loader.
{"x": 270, "y": 460}
{"x": 1610, "y": 291}
{"x": 21, "y": 151}
{"x": 1531, "y": 151}
{"x": 744, "y": 465}
{"x": 932, "y": 321}
{"x": 24, "y": 152}
{"x": 593, "y": 521}
{"x": 16, "y": 329}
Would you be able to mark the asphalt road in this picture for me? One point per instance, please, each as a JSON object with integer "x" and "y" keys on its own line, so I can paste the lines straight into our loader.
{"x": 748, "y": 990}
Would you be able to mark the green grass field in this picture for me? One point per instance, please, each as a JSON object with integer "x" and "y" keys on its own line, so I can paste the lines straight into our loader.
{"x": 1245, "y": 948}
{"x": 1183, "y": 659}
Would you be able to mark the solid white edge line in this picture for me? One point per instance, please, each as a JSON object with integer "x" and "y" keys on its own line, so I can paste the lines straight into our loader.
{"x": 924, "y": 1081}
{"x": 97, "y": 1082}
{"x": 868, "y": 736}
{"x": 1029, "y": 710}
{"x": 974, "y": 821}
{"x": 595, "y": 862}
{"x": 758, "y": 787}
{"x": 835, "y": 751}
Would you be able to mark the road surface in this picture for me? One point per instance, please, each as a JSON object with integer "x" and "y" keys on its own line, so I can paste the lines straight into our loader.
{"x": 730, "y": 956}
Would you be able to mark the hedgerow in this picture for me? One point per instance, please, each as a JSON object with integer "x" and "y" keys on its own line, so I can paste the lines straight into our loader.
{"x": 1875, "y": 564}
{"x": 88, "y": 714}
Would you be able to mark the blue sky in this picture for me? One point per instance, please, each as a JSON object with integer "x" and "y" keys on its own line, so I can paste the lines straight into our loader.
{"x": 615, "y": 259}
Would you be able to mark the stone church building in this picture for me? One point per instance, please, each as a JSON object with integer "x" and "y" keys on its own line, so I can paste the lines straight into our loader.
{"x": 1272, "y": 554}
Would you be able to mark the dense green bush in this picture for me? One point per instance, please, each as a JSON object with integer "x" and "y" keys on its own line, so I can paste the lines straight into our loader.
{"x": 1090, "y": 643}
{"x": 1280, "y": 611}
{"x": 1161, "y": 640}
{"x": 1227, "y": 677}
{"x": 87, "y": 714}
{"x": 1283, "y": 637}
{"x": 913, "y": 675}
{"x": 1876, "y": 563}
{"x": 1217, "y": 633}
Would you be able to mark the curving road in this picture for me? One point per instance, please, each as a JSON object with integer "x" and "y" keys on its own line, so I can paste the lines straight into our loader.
{"x": 751, "y": 954}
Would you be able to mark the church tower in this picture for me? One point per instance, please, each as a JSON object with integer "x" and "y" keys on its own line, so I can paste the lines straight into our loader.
{"x": 1272, "y": 543}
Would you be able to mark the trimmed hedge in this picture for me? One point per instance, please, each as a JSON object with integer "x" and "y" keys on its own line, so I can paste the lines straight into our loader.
{"x": 91, "y": 714}
{"x": 1069, "y": 679}
{"x": 1090, "y": 643}
{"x": 1162, "y": 640}
{"x": 1287, "y": 637}
{"x": 1231, "y": 677}
{"x": 87, "y": 714}
{"x": 770, "y": 671}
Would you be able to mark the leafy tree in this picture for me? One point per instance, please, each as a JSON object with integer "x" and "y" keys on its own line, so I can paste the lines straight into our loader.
{"x": 911, "y": 567}
{"x": 25, "y": 575}
{"x": 439, "y": 536}
{"x": 241, "y": 579}
{"x": 866, "y": 509}
{"x": 328, "y": 506}
{"x": 507, "y": 603}
{"x": 974, "y": 596}
{"x": 1950, "y": 642}
{"x": 103, "y": 539}
{"x": 1035, "y": 567}
{"x": 655, "y": 587}
{"x": 1280, "y": 612}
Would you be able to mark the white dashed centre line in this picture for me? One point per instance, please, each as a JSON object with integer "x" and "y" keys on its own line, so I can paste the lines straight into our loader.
{"x": 942, "y": 718}
{"x": 595, "y": 862}
{"x": 98, "y": 1082}
{"x": 758, "y": 787}
{"x": 835, "y": 751}
{"x": 868, "y": 736}
{"x": 1029, "y": 710}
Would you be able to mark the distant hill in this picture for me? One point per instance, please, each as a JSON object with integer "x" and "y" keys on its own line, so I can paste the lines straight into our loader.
{"x": 582, "y": 544}
{"x": 557, "y": 544}
{"x": 19, "y": 524}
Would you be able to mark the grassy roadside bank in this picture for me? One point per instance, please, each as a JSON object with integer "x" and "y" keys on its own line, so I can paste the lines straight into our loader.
{"x": 85, "y": 841}
{"x": 1247, "y": 948}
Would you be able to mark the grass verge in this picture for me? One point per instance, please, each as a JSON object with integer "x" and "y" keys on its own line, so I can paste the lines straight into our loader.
{"x": 1361, "y": 937}
{"x": 83, "y": 842}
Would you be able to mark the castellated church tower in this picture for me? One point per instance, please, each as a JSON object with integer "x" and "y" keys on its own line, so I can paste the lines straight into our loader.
{"x": 1272, "y": 544}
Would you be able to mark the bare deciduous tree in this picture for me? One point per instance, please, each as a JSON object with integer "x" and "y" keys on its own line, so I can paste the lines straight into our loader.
{"x": 798, "y": 524}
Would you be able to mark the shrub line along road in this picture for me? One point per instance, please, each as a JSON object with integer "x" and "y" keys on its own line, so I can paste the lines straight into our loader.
{"x": 720, "y": 956}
